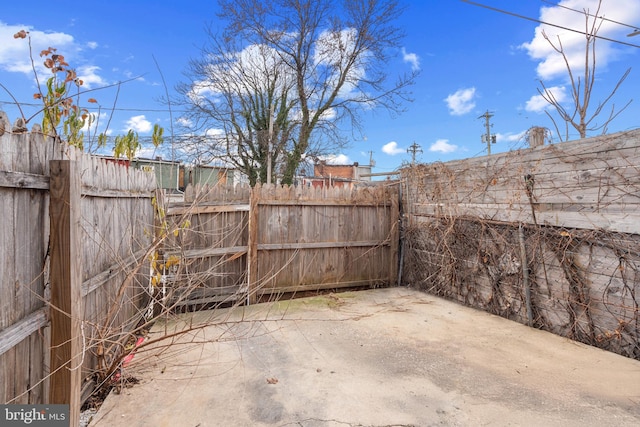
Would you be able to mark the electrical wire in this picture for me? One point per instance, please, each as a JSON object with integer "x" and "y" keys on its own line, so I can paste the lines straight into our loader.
{"x": 495, "y": 9}
{"x": 96, "y": 109}
{"x": 584, "y": 12}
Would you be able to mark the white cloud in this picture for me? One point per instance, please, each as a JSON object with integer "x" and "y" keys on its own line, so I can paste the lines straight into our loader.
{"x": 392, "y": 149}
{"x": 510, "y": 137}
{"x": 443, "y": 146}
{"x": 336, "y": 159}
{"x": 139, "y": 124}
{"x": 89, "y": 75}
{"x": 538, "y": 104}
{"x": 14, "y": 53}
{"x": 550, "y": 63}
{"x": 92, "y": 45}
{"x": 412, "y": 59}
{"x": 462, "y": 101}
{"x": 329, "y": 114}
{"x": 184, "y": 121}
{"x": 214, "y": 132}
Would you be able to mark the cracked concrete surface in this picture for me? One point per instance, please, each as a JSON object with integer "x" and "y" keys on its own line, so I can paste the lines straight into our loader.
{"x": 384, "y": 357}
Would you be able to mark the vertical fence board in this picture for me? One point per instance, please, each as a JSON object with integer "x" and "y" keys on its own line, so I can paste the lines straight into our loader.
{"x": 252, "y": 251}
{"x": 66, "y": 281}
{"x": 394, "y": 238}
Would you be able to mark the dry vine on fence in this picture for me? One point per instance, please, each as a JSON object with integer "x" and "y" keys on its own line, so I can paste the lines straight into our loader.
{"x": 583, "y": 283}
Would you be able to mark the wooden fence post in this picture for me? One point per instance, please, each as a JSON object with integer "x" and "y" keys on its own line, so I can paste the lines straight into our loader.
{"x": 66, "y": 282}
{"x": 252, "y": 247}
{"x": 394, "y": 237}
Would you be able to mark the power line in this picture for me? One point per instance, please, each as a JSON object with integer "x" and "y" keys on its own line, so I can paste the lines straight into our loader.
{"x": 584, "y": 12}
{"x": 547, "y": 23}
{"x": 105, "y": 109}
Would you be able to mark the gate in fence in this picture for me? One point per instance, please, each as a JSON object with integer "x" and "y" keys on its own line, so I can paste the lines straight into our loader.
{"x": 230, "y": 244}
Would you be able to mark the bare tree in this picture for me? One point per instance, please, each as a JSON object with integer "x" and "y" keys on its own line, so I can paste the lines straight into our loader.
{"x": 327, "y": 62}
{"x": 245, "y": 95}
{"x": 579, "y": 115}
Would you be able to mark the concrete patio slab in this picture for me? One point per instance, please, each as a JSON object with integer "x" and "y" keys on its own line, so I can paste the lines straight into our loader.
{"x": 384, "y": 357}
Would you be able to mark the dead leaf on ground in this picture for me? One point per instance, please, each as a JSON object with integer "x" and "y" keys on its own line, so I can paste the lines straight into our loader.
{"x": 272, "y": 380}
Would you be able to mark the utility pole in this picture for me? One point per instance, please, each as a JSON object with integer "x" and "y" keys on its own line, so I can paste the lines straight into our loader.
{"x": 488, "y": 138}
{"x": 413, "y": 149}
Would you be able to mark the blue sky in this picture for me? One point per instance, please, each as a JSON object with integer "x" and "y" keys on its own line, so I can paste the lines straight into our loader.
{"x": 471, "y": 60}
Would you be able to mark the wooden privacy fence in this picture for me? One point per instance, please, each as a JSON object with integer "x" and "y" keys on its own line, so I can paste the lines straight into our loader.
{"x": 237, "y": 243}
{"x": 74, "y": 241}
{"x": 548, "y": 236}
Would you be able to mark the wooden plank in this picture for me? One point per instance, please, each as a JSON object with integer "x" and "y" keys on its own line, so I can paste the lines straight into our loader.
{"x": 38, "y": 347}
{"x": 26, "y": 278}
{"x": 603, "y": 186}
{"x": 252, "y": 252}
{"x": 26, "y": 180}
{"x": 100, "y": 279}
{"x": 66, "y": 281}
{"x": 514, "y": 164}
{"x": 9, "y": 313}
{"x": 321, "y": 245}
{"x": 7, "y": 372}
{"x": 394, "y": 237}
{"x": 11, "y": 179}
{"x": 39, "y": 152}
{"x": 207, "y": 252}
{"x": 21, "y": 372}
{"x": 325, "y": 202}
{"x": 580, "y": 159}
{"x": 205, "y": 209}
{"x": 115, "y": 193}
{"x": 620, "y": 222}
{"x": 621, "y": 147}
{"x": 320, "y": 286}
{"x": 21, "y": 330}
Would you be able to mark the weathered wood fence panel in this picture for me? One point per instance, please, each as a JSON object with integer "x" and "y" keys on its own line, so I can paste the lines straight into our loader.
{"x": 117, "y": 225}
{"x": 248, "y": 244}
{"x": 207, "y": 241}
{"x": 116, "y": 220}
{"x": 23, "y": 245}
{"x": 589, "y": 184}
{"x": 548, "y": 236}
{"x": 308, "y": 239}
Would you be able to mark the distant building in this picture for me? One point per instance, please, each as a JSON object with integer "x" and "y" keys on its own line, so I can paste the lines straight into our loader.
{"x": 175, "y": 176}
{"x": 169, "y": 174}
{"x": 211, "y": 175}
{"x": 338, "y": 175}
